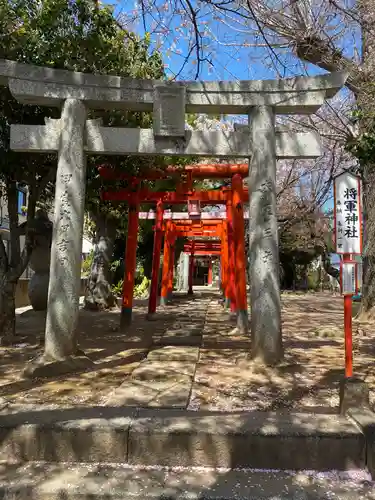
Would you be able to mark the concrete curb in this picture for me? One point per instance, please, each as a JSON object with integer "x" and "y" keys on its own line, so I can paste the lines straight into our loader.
{"x": 183, "y": 438}
{"x": 364, "y": 418}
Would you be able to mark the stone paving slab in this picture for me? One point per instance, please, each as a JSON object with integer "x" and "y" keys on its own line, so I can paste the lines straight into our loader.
{"x": 185, "y": 341}
{"x": 164, "y": 393}
{"x": 82, "y": 481}
{"x": 154, "y": 369}
{"x": 172, "y": 353}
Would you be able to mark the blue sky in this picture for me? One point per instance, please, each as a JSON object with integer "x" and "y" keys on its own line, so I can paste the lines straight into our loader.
{"x": 232, "y": 58}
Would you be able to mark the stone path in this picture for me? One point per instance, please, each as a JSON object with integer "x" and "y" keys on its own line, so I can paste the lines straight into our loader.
{"x": 165, "y": 378}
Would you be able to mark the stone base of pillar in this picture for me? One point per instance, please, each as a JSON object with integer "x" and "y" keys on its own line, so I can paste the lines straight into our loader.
{"x": 42, "y": 367}
{"x": 190, "y": 291}
{"x": 354, "y": 393}
{"x": 151, "y": 317}
{"x": 242, "y": 321}
{"x": 163, "y": 301}
{"x": 126, "y": 317}
{"x": 233, "y": 316}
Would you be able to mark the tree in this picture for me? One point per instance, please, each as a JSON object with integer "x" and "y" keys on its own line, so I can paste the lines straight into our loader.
{"x": 77, "y": 36}
{"x": 289, "y": 37}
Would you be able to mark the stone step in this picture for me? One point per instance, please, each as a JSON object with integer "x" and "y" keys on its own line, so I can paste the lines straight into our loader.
{"x": 183, "y": 438}
{"x": 43, "y": 481}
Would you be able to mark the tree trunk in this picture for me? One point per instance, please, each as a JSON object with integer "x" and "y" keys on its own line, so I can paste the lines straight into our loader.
{"x": 99, "y": 285}
{"x": 7, "y": 312}
{"x": 365, "y": 101}
{"x": 368, "y": 286}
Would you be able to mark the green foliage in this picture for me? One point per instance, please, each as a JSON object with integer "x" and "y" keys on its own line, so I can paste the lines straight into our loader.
{"x": 363, "y": 146}
{"x": 313, "y": 279}
{"x": 117, "y": 289}
{"x": 139, "y": 291}
{"x": 86, "y": 264}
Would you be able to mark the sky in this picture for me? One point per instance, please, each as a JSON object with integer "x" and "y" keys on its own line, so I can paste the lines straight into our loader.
{"x": 231, "y": 57}
{"x": 232, "y": 54}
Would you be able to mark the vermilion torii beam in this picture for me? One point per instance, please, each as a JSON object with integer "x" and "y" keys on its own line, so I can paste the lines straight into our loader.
{"x": 144, "y": 195}
{"x": 205, "y": 252}
{"x": 203, "y": 171}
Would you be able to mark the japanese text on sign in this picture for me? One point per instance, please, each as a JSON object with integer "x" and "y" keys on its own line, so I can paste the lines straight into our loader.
{"x": 347, "y": 214}
{"x": 348, "y": 278}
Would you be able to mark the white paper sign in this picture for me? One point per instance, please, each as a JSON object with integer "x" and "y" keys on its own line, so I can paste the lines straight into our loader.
{"x": 347, "y": 207}
{"x": 214, "y": 214}
{"x": 348, "y": 278}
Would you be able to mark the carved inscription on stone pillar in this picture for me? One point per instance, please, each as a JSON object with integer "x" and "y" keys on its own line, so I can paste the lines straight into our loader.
{"x": 169, "y": 110}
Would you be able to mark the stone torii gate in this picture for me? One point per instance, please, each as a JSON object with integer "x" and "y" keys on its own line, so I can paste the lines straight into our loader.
{"x": 74, "y": 137}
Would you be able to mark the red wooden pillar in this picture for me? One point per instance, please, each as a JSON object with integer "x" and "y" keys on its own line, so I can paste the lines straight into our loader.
{"x": 191, "y": 268}
{"x": 231, "y": 259}
{"x": 158, "y": 238}
{"x": 130, "y": 265}
{"x": 225, "y": 263}
{"x": 209, "y": 277}
{"x": 166, "y": 263}
{"x": 171, "y": 267}
{"x": 240, "y": 257}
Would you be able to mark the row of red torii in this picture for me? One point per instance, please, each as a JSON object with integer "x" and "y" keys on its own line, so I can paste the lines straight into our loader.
{"x": 229, "y": 230}
{"x": 74, "y": 136}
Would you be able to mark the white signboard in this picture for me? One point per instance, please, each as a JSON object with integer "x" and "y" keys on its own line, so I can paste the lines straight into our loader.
{"x": 348, "y": 214}
{"x": 214, "y": 214}
{"x": 348, "y": 278}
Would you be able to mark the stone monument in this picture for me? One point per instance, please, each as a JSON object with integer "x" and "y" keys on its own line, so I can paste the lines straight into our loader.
{"x": 40, "y": 262}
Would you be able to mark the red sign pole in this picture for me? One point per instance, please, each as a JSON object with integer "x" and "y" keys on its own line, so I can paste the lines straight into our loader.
{"x": 348, "y": 330}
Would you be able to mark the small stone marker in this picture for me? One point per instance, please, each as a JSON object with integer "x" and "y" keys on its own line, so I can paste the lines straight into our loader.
{"x": 354, "y": 393}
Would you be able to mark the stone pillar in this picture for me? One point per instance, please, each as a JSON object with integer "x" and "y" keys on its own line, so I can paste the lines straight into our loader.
{"x": 264, "y": 251}
{"x": 65, "y": 269}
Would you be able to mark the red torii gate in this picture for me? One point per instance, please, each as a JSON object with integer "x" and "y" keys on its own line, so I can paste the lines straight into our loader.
{"x": 233, "y": 198}
{"x": 205, "y": 248}
{"x": 174, "y": 229}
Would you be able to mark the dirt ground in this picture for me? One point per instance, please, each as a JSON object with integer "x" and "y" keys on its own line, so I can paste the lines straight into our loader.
{"x": 115, "y": 356}
{"x": 307, "y": 380}
{"x": 225, "y": 379}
